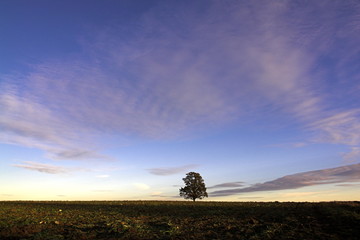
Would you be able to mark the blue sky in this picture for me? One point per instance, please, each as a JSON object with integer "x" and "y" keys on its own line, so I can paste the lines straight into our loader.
{"x": 115, "y": 100}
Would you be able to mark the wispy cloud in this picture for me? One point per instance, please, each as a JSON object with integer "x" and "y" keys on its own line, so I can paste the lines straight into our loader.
{"x": 44, "y": 168}
{"x": 26, "y": 122}
{"x": 228, "y": 185}
{"x": 349, "y": 173}
{"x": 225, "y": 63}
{"x": 171, "y": 170}
{"x": 348, "y": 185}
{"x": 340, "y": 128}
{"x": 76, "y": 154}
{"x": 353, "y": 155}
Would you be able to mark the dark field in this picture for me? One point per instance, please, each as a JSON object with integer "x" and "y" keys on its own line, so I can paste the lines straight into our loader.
{"x": 179, "y": 220}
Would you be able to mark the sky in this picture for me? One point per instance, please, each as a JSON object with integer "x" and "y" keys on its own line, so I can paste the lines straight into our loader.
{"x": 118, "y": 100}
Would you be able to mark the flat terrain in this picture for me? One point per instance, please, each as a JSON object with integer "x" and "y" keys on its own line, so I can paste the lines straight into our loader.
{"x": 179, "y": 220}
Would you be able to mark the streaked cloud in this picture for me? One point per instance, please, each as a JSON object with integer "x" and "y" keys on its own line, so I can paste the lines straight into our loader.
{"x": 171, "y": 170}
{"x": 349, "y": 173}
{"x": 228, "y": 185}
{"x": 341, "y": 128}
{"x": 227, "y": 63}
{"x": 28, "y": 123}
{"x": 76, "y": 154}
{"x": 44, "y": 168}
{"x": 348, "y": 185}
{"x": 353, "y": 155}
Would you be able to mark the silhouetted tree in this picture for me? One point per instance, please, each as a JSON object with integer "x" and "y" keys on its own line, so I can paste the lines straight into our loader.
{"x": 194, "y": 187}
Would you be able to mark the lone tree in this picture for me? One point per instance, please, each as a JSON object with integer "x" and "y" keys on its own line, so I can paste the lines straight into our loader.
{"x": 194, "y": 187}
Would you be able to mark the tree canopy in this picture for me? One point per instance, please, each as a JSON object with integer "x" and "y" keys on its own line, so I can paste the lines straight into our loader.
{"x": 194, "y": 187}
